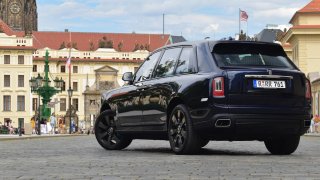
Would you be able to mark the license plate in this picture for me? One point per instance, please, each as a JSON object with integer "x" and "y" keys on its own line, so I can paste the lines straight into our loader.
{"x": 269, "y": 84}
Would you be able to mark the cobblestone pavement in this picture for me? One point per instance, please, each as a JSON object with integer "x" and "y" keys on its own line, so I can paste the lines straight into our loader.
{"x": 80, "y": 157}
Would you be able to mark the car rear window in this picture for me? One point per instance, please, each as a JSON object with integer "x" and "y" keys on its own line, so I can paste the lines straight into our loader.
{"x": 245, "y": 54}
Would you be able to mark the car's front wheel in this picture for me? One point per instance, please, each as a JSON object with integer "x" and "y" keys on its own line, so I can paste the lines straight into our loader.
{"x": 182, "y": 137}
{"x": 282, "y": 145}
{"x": 106, "y": 133}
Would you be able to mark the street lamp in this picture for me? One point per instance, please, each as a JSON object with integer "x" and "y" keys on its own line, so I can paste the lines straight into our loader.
{"x": 35, "y": 84}
{"x": 41, "y": 86}
{"x": 70, "y": 92}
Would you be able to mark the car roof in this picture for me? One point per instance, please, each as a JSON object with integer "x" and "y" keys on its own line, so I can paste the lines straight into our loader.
{"x": 212, "y": 43}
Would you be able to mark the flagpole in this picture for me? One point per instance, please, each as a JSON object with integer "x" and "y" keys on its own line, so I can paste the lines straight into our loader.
{"x": 247, "y": 28}
{"x": 239, "y": 22}
{"x": 70, "y": 90}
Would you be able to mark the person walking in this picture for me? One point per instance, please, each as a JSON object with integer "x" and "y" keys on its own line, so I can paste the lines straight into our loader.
{"x": 316, "y": 123}
{"x": 52, "y": 123}
{"x": 33, "y": 125}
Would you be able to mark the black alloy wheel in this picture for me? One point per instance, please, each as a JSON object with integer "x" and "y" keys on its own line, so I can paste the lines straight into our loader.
{"x": 183, "y": 139}
{"x": 106, "y": 133}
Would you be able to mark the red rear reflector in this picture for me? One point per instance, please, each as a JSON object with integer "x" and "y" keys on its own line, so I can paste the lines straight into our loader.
{"x": 308, "y": 90}
{"x": 218, "y": 87}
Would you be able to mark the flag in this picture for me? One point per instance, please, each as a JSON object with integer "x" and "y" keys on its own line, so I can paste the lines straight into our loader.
{"x": 68, "y": 64}
{"x": 243, "y": 15}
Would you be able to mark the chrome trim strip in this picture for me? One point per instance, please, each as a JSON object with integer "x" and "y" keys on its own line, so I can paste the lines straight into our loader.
{"x": 269, "y": 76}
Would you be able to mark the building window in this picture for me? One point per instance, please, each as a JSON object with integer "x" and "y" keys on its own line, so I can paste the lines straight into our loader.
{"x": 6, "y": 103}
{"x": 20, "y": 59}
{"x": 34, "y": 104}
{"x": 75, "y": 69}
{"x": 63, "y": 104}
{"x": 6, "y": 81}
{"x": 6, "y": 59}
{"x": 75, "y": 86}
{"x": 75, "y": 104}
{"x": 21, "y": 103}
{"x": 34, "y": 68}
{"x": 62, "y": 69}
{"x": 21, "y": 81}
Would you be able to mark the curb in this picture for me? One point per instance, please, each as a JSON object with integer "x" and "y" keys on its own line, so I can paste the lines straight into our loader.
{"x": 26, "y": 137}
{"x": 312, "y": 135}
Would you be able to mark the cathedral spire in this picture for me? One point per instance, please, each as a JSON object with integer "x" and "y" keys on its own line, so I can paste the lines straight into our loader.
{"x": 20, "y": 15}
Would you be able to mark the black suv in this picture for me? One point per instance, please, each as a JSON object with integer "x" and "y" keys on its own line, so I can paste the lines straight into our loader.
{"x": 193, "y": 92}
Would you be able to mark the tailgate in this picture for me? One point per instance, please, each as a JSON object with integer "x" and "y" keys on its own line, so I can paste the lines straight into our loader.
{"x": 266, "y": 92}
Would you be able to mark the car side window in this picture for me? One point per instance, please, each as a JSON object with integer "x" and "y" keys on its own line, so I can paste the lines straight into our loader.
{"x": 167, "y": 63}
{"x": 184, "y": 64}
{"x": 146, "y": 69}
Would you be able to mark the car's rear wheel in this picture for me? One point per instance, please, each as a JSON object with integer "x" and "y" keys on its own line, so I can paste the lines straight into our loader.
{"x": 182, "y": 137}
{"x": 283, "y": 145}
{"x": 106, "y": 133}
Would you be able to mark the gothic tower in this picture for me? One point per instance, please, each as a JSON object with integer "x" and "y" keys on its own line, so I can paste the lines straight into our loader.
{"x": 20, "y": 15}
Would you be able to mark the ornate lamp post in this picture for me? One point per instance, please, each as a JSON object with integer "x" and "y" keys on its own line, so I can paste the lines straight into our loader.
{"x": 41, "y": 86}
{"x": 70, "y": 92}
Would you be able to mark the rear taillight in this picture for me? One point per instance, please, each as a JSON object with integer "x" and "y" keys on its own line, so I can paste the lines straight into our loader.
{"x": 218, "y": 87}
{"x": 308, "y": 90}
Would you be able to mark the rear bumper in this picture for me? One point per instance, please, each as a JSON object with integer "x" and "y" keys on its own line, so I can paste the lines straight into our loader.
{"x": 251, "y": 126}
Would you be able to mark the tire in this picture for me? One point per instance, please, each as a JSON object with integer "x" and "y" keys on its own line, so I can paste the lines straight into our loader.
{"x": 106, "y": 133}
{"x": 183, "y": 139}
{"x": 282, "y": 146}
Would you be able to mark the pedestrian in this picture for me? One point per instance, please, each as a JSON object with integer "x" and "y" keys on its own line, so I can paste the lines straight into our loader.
{"x": 52, "y": 123}
{"x": 311, "y": 129}
{"x": 10, "y": 127}
{"x": 73, "y": 126}
{"x": 33, "y": 125}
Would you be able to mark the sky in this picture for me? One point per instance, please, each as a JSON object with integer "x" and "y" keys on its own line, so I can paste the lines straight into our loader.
{"x": 193, "y": 19}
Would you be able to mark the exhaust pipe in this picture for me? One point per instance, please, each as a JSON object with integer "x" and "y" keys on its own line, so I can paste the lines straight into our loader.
{"x": 223, "y": 123}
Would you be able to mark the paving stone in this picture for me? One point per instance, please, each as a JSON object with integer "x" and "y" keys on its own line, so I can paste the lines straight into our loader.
{"x": 81, "y": 157}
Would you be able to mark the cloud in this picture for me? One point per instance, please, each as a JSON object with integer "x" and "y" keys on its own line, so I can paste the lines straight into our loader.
{"x": 276, "y": 13}
{"x": 194, "y": 19}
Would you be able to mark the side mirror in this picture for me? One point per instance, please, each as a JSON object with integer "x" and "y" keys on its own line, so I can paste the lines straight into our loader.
{"x": 128, "y": 76}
